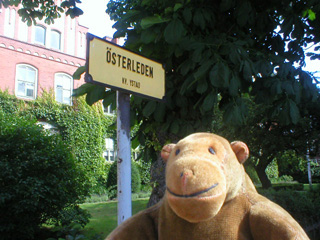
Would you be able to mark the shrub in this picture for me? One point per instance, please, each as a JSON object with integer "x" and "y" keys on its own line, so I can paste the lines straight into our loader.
{"x": 112, "y": 179}
{"x": 291, "y": 164}
{"x": 303, "y": 206}
{"x": 82, "y": 127}
{"x": 144, "y": 170}
{"x": 38, "y": 176}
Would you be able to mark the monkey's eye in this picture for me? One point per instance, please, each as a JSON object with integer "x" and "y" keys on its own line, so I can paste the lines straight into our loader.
{"x": 177, "y": 151}
{"x": 211, "y": 151}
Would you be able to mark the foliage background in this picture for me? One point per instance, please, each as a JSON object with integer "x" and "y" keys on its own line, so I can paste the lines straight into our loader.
{"x": 82, "y": 127}
{"x": 39, "y": 177}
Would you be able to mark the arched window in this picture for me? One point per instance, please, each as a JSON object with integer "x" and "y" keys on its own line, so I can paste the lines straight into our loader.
{"x": 55, "y": 40}
{"x": 26, "y": 81}
{"x": 40, "y": 35}
{"x": 63, "y": 88}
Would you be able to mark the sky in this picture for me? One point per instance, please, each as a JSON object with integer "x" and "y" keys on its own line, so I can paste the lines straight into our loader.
{"x": 96, "y": 18}
{"x": 99, "y": 24}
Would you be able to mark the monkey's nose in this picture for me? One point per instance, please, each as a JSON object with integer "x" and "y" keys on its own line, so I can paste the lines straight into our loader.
{"x": 186, "y": 173}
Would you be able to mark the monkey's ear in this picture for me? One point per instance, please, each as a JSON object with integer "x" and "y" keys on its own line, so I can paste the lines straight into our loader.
{"x": 166, "y": 150}
{"x": 241, "y": 150}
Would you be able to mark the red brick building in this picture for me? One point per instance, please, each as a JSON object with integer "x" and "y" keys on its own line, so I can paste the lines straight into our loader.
{"x": 40, "y": 57}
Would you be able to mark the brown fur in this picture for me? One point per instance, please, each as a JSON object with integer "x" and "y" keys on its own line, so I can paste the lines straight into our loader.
{"x": 209, "y": 196}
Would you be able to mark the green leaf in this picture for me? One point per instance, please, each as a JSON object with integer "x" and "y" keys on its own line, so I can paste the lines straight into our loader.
{"x": 109, "y": 99}
{"x": 174, "y": 31}
{"x": 311, "y": 15}
{"x": 294, "y": 112}
{"x": 231, "y": 113}
{"x": 135, "y": 142}
{"x": 198, "y": 19}
{"x": 187, "y": 15}
{"x": 160, "y": 112}
{"x": 186, "y": 66}
{"x": 247, "y": 71}
{"x": 209, "y": 101}
{"x": 149, "y": 108}
{"x": 226, "y": 5}
{"x": 243, "y": 13}
{"x": 148, "y": 36}
{"x": 77, "y": 74}
{"x": 95, "y": 94}
{"x": 203, "y": 69}
{"x": 83, "y": 89}
{"x": 187, "y": 84}
{"x": 174, "y": 128}
{"x": 120, "y": 33}
{"x": 234, "y": 85}
{"x": 177, "y": 6}
{"x": 288, "y": 87}
{"x": 275, "y": 87}
{"x": 150, "y": 21}
{"x": 219, "y": 75}
{"x": 202, "y": 86}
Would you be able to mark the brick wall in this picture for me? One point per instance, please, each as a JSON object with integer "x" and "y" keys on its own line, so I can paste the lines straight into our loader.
{"x": 47, "y": 61}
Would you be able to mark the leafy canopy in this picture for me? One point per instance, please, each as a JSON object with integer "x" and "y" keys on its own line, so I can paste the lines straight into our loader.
{"x": 218, "y": 52}
{"x": 30, "y": 10}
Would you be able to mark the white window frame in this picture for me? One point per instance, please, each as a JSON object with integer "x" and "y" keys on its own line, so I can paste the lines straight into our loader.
{"x": 10, "y": 22}
{"x": 56, "y": 76}
{"x": 23, "y": 31}
{"x": 45, "y": 35}
{"x": 108, "y": 111}
{"x": 53, "y": 31}
{"x": 35, "y": 82}
{"x": 109, "y": 153}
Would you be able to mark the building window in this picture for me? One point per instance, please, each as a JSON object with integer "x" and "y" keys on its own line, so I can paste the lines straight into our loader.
{"x": 40, "y": 35}
{"x": 55, "y": 38}
{"x": 23, "y": 31}
{"x": 26, "y": 81}
{"x": 9, "y": 22}
{"x": 108, "y": 110}
{"x": 109, "y": 153}
{"x": 63, "y": 88}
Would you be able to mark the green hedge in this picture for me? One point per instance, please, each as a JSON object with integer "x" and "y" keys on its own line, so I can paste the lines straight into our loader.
{"x": 39, "y": 178}
{"x": 112, "y": 179}
{"x": 304, "y": 206}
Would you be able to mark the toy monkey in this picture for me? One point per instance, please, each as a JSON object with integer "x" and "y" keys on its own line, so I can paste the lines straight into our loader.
{"x": 209, "y": 196}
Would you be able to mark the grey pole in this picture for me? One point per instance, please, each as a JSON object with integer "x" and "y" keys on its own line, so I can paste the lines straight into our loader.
{"x": 123, "y": 157}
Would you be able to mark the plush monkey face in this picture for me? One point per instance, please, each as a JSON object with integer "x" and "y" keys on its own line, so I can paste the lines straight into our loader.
{"x": 203, "y": 171}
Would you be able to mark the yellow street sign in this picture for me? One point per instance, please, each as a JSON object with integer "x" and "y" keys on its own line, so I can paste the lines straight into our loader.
{"x": 120, "y": 69}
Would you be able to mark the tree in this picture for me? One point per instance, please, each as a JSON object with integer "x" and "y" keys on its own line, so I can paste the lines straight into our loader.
{"x": 269, "y": 140}
{"x": 215, "y": 53}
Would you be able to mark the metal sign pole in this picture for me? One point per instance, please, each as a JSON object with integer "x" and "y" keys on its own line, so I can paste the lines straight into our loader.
{"x": 123, "y": 157}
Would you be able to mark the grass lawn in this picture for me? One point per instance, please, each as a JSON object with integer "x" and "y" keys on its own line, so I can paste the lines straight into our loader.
{"x": 104, "y": 216}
